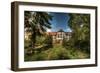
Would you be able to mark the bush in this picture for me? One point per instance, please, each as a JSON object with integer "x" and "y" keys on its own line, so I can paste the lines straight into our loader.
{"x": 40, "y": 40}
{"x": 67, "y": 43}
{"x": 48, "y": 41}
{"x": 56, "y": 53}
{"x": 27, "y": 44}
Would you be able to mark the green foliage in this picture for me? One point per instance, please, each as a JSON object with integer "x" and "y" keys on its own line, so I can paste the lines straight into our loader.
{"x": 67, "y": 43}
{"x": 35, "y": 57}
{"x": 37, "y": 23}
{"x": 80, "y": 25}
{"x": 57, "y": 53}
{"x": 40, "y": 40}
{"x": 26, "y": 44}
{"x": 48, "y": 41}
{"x": 77, "y": 47}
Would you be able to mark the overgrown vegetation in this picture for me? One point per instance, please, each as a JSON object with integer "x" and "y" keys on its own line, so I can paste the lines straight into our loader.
{"x": 57, "y": 53}
{"x": 41, "y": 47}
{"x": 80, "y": 25}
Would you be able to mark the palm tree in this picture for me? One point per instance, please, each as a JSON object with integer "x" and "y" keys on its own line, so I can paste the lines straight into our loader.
{"x": 37, "y": 23}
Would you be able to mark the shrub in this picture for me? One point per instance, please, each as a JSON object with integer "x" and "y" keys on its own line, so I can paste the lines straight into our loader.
{"x": 40, "y": 40}
{"x": 57, "y": 53}
{"x": 27, "y": 44}
{"x": 48, "y": 41}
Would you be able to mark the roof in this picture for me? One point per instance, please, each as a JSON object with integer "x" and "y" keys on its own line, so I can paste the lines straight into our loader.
{"x": 55, "y": 33}
{"x": 52, "y": 33}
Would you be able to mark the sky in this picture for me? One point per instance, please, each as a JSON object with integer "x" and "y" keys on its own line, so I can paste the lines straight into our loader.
{"x": 59, "y": 21}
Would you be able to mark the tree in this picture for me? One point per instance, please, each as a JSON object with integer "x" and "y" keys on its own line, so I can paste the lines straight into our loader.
{"x": 80, "y": 25}
{"x": 49, "y": 41}
{"x": 37, "y": 23}
{"x": 61, "y": 30}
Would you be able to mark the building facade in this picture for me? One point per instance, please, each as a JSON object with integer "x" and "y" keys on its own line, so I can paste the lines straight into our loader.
{"x": 59, "y": 36}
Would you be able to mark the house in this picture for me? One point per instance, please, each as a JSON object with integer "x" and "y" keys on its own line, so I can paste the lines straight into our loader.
{"x": 58, "y": 37}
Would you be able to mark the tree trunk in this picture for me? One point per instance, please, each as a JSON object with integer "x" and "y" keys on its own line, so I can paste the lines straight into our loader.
{"x": 33, "y": 39}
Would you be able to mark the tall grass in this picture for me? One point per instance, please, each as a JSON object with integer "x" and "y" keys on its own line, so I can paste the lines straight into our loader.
{"x": 57, "y": 53}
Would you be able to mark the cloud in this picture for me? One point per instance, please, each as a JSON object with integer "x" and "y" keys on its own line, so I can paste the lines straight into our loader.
{"x": 69, "y": 30}
{"x": 48, "y": 30}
